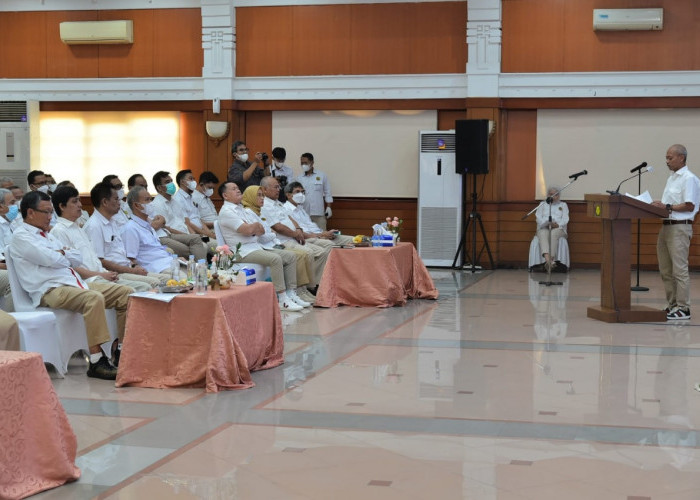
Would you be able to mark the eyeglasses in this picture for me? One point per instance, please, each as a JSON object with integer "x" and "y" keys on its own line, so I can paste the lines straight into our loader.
{"x": 118, "y": 186}
{"x": 242, "y": 150}
{"x": 48, "y": 212}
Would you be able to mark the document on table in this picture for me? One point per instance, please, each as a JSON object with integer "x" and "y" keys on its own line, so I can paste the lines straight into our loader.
{"x": 163, "y": 297}
{"x": 645, "y": 197}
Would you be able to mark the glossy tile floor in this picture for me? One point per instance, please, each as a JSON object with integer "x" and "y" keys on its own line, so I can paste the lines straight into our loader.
{"x": 501, "y": 389}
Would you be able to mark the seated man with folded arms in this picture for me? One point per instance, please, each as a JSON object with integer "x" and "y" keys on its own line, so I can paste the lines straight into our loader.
{"x": 253, "y": 199}
{"x": 47, "y": 272}
{"x": 174, "y": 234}
{"x": 185, "y": 202}
{"x": 142, "y": 245}
{"x": 107, "y": 244}
{"x": 288, "y": 230}
{"x": 201, "y": 197}
{"x": 296, "y": 195}
{"x": 238, "y": 226}
{"x": 8, "y": 212}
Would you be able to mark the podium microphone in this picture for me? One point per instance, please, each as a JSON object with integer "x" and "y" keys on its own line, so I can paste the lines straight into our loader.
{"x": 649, "y": 169}
{"x": 578, "y": 174}
{"x": 638, "y": 167}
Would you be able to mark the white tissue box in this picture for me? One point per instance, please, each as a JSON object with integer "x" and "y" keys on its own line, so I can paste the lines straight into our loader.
{"x": 245, "y": 276}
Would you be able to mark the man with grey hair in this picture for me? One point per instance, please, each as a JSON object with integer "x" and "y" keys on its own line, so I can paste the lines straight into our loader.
{"x": 8, "y": 212}
{"x": 6, "y": 182}
{"x": 559, "y": 212}
{"x": 681, "y": 198}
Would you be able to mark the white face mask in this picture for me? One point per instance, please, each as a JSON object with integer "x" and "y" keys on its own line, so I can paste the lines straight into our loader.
{"x": 43, "y": 189}
{"x": 299, "y": 198}
{"x": 53, "y": 187}
{"x": 243, "y": 157}
{"x": 208, "y": 192}
{"x": 120, "y": 193}
{"x": 305, "y": 167}
{"x": 148, "y": 209}
{"x": 192, "y": 185}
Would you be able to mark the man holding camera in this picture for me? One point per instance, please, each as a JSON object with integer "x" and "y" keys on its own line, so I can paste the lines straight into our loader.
{"x": 243, "y": 172}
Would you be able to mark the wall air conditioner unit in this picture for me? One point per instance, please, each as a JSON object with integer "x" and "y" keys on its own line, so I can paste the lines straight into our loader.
{"x": 628, "y": 19}
{"x": 93, "y": 32}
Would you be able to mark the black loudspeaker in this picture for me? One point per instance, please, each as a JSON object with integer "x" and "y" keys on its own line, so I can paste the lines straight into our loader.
{"x": 472, "y": 146}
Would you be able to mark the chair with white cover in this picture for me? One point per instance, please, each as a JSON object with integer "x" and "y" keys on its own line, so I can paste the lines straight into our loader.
{"x": 262, "y": 273}
{"x": 71, "y": 332}
{"x": 536, "y": 257}
{"x": 38, "y": 332}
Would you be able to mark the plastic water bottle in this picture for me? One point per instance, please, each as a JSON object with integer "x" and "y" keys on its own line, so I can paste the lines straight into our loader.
{"x": 175, "y": 268}
{"x": 201, "y": 278}
{"x": 191, "y": 264}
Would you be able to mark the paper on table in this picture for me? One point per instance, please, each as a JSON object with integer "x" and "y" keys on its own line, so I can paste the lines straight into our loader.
{"x": 163, "y": 297}
{"x": 645, "y": 197}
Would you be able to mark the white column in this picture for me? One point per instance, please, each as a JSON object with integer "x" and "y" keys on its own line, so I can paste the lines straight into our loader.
{"x": 484, "y": 47}
{"x": 218, "y": 44}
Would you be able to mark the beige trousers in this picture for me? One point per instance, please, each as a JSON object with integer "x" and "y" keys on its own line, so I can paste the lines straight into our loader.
{"x": 543, "y": 237}
{"x": 672, "y": 247}
{"x": 9, "y": 333}
{"x": 282, "y": 266}
{"x": 91, "y": 303}
{"x": 319, "y": 254}
{"x": 185, "y": 245}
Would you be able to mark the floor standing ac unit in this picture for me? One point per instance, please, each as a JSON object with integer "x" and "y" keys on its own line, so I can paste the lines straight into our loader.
{"x": 19, "y": 134}
{"x": 439, "y": 199}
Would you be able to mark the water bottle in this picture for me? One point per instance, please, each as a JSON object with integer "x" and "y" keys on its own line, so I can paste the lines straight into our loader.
{"x": 175, "y": 268}
{"x": 201, "y": 278}
{"x": 191, "y": 269}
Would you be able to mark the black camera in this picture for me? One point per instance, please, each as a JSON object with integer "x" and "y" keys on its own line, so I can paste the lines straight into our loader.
{"x": 264, "y": 157}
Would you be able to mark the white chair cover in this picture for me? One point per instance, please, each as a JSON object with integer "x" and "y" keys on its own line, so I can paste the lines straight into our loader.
{"x": 38, "y": 332}
{"x": 536, "y": 256}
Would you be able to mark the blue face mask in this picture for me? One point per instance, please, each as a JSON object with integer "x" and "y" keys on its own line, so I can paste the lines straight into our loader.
{"x": 12, "y": 214}
{"x": 170, "y": 188}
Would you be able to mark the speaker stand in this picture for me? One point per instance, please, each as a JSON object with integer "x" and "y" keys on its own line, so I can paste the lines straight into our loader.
{"x": 474, "y": 218}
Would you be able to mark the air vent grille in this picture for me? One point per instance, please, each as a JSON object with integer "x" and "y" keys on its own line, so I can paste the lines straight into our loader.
{"x": 13, "y": 111}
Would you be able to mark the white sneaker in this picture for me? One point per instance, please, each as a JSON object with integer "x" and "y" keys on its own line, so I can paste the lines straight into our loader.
{"x": 286, "y": 303}
{"x": 296, "y": 299}
{"x": 306, "y": 295}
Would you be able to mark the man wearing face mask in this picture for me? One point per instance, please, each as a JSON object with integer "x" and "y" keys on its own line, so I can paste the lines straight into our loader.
{"x": 201, "y": 197}
{"x": 243, "y": 172}
{"x": 318, "y": 191}
{"x": 280, "y": 171}
{"x": 143, "y": 247}
{"x": 175, "y": 233}
{"x": 51, "y": 183}
{"x": 8, "y": 212}
{"x": 183, "y": 200}
{"x": 36, "y": 179}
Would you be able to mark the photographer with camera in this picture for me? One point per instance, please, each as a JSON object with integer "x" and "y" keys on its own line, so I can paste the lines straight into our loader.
{"x": 280, "y": 171}
{"x": 243, "y": 172}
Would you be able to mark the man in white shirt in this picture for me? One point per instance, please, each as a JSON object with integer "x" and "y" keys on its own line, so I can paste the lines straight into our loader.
{"x": 46, "y": 272}
{"x": 318, "y": 191}
{"x": 201, "y": 198}
{"x": 142, "y": 245}
{"x": 107, "y": 245}
{"x": 238, "y": 226}
{"x": 288, "y": 230}
{"x": 8, "y": 212}
{"x": 185, "y": 203}
{"x": 280, "y": 170}
{"x": 560, "y": 219}
{"x": 296, "y": 195}
{"x": 681, "y": 198}
{"x": 123, "y": 214}
{"x": 174, "y": 233}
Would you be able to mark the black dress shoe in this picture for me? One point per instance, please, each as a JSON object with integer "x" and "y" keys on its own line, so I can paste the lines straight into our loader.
{"x": 102, "y": 369}
{"x": 115, "y": 357}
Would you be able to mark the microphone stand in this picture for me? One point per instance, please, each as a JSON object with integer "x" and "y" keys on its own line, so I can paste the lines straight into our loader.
{"x": 637, "y": 287}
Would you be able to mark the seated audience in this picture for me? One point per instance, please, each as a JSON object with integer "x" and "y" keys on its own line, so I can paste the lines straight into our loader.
{"x": 8, "y": 212}
{"x": 185, "y": 202}
{"x": 6, "y": 182}
{"x": 142, "y": 245}
{"x": 296, "y": 195}
{"x": 124, "y": 214}
{"x": 288, "y": 230}
{"x": 51, "y": 183}
{"x": 201, "y": 197}
{"x": 174, "y": 234}
{"x": 253, "y": 199}
{"x": 239, "y": 226}
{"x": 46, "y": 272}
{"x": 18, "y": 192}
{"x": 84, "y": 215}
{"x": 560, "y": 218}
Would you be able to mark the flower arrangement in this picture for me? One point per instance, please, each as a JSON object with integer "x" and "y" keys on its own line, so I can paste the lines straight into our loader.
{"x": 393, "y": 225}
{"x": 225, "y": 257}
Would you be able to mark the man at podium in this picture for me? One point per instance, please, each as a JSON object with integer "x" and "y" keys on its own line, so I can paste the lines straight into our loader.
{"x": 681, "y": 199}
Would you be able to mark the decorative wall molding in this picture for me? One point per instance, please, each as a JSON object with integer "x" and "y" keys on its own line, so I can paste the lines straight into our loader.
{"x": 483, "y": 47}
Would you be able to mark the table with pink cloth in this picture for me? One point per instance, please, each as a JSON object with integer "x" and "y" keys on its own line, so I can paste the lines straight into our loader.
{"x": 374, "y": 276}
{"x": 212, "y": 341}
{"x": 37, "y": 444}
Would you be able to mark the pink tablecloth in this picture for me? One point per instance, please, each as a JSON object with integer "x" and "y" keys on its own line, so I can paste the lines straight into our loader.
{"x": 37, "y": 444}
{"x": 381, "y": 277}
{"x": 212, "y": 341}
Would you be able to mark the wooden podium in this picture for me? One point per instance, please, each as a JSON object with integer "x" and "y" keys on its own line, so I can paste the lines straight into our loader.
{"x": 616, "y": 213}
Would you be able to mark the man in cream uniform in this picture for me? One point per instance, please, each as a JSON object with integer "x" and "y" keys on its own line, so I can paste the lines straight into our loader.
{"x": 318, "y": 191}
{"x": 185, "y": 202}
{"x": 201, "y": 198}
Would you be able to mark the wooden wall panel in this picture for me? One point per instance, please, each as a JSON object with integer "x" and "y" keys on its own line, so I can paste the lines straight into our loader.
{"x": 520, "y": 150}
{"x": 394, "y": 38}
{"x": 177, "y": 42}
{"x": 447, "y": 118}
{"x": 357, "y": 215}
{"x": 192, "y": 142}
{"x": 22, "y": 46}
{"x": 558, "y": 36}
{"x": 258, "y": 132}
{"x": 132, "y": 60}
{"x": 69, "y": 61}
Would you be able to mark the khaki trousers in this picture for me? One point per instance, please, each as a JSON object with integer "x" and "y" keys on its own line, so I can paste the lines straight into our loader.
{"x": 9, "y": 305}
{"x": 672, "y": 247}
{"x": 282, "y": 266}
{"x": 91, "y": 303}
{"x": 304, "y": 266}
{"x": 185, "y": 245}
{"x": 543, "y": 237}
{"x": 9, "y": 333}
{"x": 319, "y": 254}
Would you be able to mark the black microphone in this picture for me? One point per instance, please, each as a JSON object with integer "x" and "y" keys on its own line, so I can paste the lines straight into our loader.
{"x": 578, "y": 174}
{"x": 638, "y": 167}
{"x": 617, "y": 191}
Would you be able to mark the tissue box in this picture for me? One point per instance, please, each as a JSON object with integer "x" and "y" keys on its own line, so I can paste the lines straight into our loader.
{"x": 387, "y": 240}
{"x": 245, "y": 276}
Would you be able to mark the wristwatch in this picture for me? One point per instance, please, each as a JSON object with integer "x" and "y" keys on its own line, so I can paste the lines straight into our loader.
{"x": 668, "y": 207}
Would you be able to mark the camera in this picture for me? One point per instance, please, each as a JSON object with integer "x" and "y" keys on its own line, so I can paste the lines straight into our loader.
{"x": 264, "y": 157}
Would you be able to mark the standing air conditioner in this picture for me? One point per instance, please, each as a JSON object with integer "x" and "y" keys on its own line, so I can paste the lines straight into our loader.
{"x": 19, "y": 133}
{"x": 439, "y": 199}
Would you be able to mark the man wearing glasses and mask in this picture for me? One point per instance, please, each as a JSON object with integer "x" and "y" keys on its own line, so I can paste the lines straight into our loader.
{"x": 244, "y": 172}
